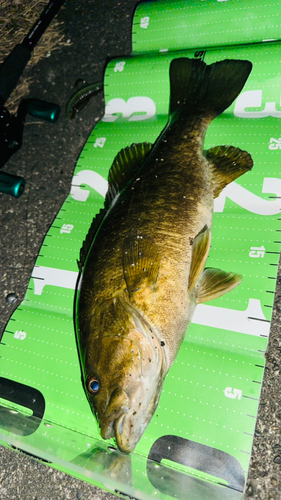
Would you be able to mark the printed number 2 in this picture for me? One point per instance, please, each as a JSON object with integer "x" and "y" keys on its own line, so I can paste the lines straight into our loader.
{"x": 250, "y": 201}
{"x": 135, "y": 109}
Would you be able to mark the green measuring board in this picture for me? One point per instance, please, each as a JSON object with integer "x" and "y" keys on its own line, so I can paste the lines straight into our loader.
{"x": 200, "y": 438}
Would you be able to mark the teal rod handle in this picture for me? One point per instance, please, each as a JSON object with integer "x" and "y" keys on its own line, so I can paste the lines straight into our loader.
{"x": 11, "y": 184}
{"x": 47, "y": 111}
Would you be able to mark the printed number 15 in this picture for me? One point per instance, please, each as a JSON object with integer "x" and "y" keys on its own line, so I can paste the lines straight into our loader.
{"x": 257, "y": 252}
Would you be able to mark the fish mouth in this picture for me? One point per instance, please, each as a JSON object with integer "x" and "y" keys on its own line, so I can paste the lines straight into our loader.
{"x": 118, "y": 407}
{"x": 118, "y": 429}
{"x": 123, "y": 440}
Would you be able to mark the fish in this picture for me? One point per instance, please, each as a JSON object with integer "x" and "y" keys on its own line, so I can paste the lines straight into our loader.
{"x": 142, "y": 264}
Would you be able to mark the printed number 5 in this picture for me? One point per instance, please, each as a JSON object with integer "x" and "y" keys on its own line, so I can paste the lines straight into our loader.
{"x": 20, "y": 335}
{"x": 237, "y": 393}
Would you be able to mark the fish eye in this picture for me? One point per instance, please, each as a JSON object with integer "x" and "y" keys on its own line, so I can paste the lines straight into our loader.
{"x": 93, "y": 385}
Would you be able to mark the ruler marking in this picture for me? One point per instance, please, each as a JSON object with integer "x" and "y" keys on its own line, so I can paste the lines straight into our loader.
{"x": 259, "y": 319}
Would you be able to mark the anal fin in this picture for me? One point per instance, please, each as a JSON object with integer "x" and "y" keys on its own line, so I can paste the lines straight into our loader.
{"x": 214, "y": 283}
{"x": 227, "y": 164}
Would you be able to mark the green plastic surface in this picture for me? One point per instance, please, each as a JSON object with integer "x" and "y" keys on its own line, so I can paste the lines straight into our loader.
{"x": 210, "y": 398}
{"x": 175, "y": 25}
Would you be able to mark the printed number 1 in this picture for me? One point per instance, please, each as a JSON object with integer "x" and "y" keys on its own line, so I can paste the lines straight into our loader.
{"x": 66, "y": 228}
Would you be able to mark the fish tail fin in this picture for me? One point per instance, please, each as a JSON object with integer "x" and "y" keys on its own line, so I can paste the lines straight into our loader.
{"x": 198, "y": 88}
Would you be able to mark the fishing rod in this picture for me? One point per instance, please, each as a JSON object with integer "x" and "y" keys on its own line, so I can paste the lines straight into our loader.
{"x": 11, "y": 126}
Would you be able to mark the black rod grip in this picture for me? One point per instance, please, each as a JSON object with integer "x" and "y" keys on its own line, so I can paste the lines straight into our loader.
{"x": 11, "y": 70}
{"x": 42, "y": 24}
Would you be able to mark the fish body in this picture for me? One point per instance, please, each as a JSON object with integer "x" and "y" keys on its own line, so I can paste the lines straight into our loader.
{"x": 143, "y": 261}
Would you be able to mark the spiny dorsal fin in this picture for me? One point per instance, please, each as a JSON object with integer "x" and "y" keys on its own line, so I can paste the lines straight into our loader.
{"x": 90, "y": 236}
{"x": 227, "y": 163}
{"x": 140, "y": 261}
{"x": 124, "y": 168}
{"x": 200, "y": 251}
{"x": 214, "y": 283}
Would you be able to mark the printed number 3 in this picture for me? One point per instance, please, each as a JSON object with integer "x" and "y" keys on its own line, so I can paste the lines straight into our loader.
{"x": 135, "y": 109}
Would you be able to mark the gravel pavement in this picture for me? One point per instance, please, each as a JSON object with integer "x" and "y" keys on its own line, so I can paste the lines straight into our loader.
{"x": 96, "y": 32}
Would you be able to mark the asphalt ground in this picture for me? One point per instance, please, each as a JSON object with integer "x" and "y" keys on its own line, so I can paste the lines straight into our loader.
{"x": 96, "y": 31}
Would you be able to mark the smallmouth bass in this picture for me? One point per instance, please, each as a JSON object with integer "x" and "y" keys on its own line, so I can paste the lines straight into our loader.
{"x": 142, "y": 263}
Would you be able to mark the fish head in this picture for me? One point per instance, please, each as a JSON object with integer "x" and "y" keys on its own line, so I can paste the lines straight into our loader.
{"x": 125, "y": 367}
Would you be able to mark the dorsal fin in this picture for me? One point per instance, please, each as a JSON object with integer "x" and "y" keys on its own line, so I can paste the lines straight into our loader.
{"x": 124, "y": 167}
{"x": 96, "y": 222}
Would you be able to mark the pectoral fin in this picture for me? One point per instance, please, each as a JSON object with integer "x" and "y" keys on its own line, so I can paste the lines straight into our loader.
{"x": 214, "y": 283}
{"x": 200, "y": 251}
{"x": 140, "y": 262}
{"x": 227, "y": 163}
